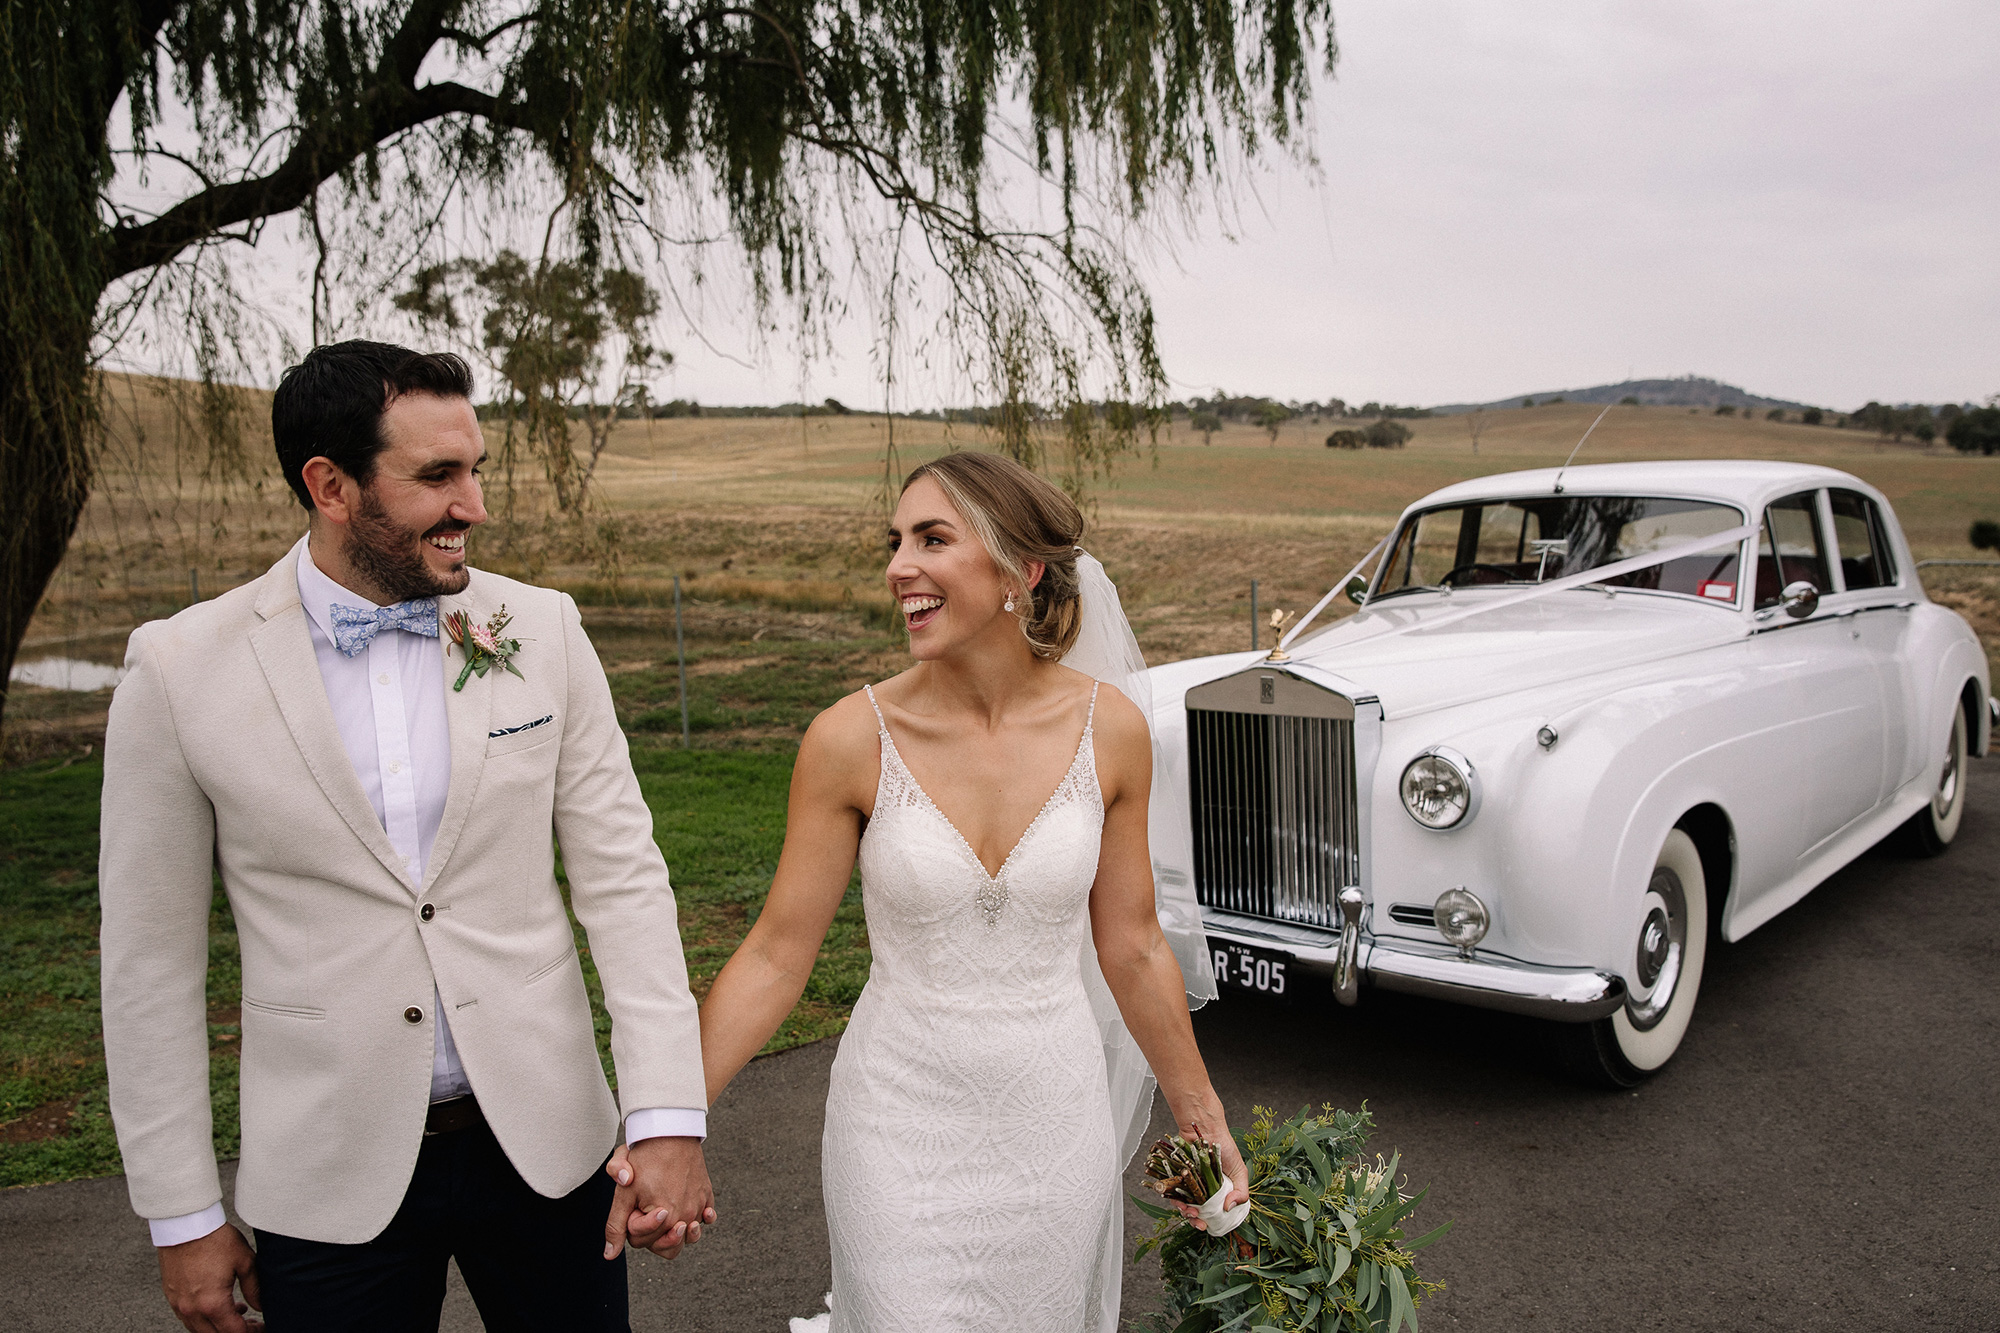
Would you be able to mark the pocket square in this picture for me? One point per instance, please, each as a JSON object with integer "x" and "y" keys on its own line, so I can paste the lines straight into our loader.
{"x": 525, "y": 726}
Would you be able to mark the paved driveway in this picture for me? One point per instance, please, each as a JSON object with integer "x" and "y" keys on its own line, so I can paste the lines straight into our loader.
{"x": 1823, "y": 1154}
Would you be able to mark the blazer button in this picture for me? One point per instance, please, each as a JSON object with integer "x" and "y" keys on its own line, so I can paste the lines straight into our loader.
{"x": 427, "y": 911}
{"x": 413, "y": 1015}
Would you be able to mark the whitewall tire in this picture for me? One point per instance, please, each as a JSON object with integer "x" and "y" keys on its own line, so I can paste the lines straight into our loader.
{"x": 1669, "y": 948}
{"x": 1932, "y": 828}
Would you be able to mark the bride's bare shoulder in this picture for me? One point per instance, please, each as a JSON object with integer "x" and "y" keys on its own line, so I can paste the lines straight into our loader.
{"x": 1120, "y": 724}
{"x": 843, "y": 729}
{"x": 838, "y": 754}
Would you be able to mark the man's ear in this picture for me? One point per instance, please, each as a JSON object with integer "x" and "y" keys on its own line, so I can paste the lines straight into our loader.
{"x": 333, "y": 492}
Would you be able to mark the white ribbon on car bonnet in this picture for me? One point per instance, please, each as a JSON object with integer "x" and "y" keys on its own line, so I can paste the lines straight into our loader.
{"x": 1618, "y": 569}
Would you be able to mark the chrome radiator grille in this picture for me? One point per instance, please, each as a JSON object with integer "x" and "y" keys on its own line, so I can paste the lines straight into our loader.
{"x": 1276, "y": 833}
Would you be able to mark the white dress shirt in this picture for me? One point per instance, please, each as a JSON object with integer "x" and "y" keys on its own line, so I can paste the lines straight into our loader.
{"x": 389, "y": 706}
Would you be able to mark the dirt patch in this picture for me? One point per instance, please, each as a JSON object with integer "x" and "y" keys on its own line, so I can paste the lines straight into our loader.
{"x": 729, "y": 666}
{"x": 41, "y": 1124}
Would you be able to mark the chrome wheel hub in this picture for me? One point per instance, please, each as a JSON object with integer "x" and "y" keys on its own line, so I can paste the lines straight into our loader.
{"x": 1662, "y": 948}
{"x": 1947, "y": 791}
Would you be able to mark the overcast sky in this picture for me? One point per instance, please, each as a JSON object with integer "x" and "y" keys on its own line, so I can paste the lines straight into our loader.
{"x": 1799, "y": 198}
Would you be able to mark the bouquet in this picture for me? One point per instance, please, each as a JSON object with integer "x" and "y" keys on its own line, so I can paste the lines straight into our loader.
{"x": 1322, "y": 1250}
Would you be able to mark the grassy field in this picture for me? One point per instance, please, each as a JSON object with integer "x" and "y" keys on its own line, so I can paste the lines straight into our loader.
{"x": 774, "y": 529}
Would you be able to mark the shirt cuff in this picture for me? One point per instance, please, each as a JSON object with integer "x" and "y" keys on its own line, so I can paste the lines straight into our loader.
{"x": 664, "y": 1122}
{"x": 188, "y": 1226}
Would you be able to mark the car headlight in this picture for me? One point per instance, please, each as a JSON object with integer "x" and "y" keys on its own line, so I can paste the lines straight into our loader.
{"x": 1461, "y": 918}
{"x": 1440, "y": 789}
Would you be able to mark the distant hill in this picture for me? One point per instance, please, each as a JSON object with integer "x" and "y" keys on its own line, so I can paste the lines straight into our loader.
{"x": 1688, "y": 391}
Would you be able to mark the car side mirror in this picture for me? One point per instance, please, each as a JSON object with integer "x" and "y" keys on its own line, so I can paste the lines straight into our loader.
{"x": 1356, "y": 590}
{"x": 1799, "y": 599}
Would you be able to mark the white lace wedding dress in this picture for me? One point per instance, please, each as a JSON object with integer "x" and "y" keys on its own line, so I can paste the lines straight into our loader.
{"x": 969, "y": 1160}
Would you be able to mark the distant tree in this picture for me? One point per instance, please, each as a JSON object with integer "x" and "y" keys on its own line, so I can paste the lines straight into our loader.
{"x": 1346, "y": 439}
{"x": 1629, "y": 400}
{"x": 1336, "y": 407}
{"x": 1558, "y": 399}
{"x": 1925, "y": 431}
{"x": 1272, "y": 415}
{"x": 1369, "y": 410}
{"x": 1726, "y": 410}
{"x": 1475, "y": 424}
{"x": 1975, "y": 432}
{"x": 1812, "y": 416}
{"x": 544, "y": 327}
{"x": 1985, "y": 535}
{"x": 1207, "y": 423}
{"x": 1387, "y": 435}
{"x": 1527, "y": 402}
{"x": 1775, "y": 414}
{"x": 1949, "y": 413}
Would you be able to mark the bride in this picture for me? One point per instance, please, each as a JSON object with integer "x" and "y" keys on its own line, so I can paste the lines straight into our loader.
{"x": 997, "y": 801}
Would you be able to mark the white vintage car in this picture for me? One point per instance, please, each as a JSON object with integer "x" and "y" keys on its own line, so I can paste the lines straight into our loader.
{"x": 1583, "y": 722}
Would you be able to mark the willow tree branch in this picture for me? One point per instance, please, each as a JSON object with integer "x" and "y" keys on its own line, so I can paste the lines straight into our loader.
{"x": 321, "y": 152}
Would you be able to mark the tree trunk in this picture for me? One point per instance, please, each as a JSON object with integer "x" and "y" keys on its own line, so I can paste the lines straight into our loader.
{"x": 46, "y": 414}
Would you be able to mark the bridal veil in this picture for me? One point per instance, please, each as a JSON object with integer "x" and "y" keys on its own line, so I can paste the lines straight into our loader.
{"x": 1106, "y": 649}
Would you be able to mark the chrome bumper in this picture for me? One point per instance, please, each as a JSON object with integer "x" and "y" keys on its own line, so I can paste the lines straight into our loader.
{"x": 1564, "y": 994}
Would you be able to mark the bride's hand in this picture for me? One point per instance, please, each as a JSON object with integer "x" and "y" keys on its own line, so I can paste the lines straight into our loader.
{"x": 1232, "y": 1167}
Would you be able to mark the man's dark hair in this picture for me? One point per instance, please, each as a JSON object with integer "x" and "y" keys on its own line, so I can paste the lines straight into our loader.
{"x": 330, "y": 404}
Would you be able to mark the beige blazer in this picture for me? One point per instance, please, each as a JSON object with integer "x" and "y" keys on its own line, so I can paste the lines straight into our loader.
{"x": 222, "y": 755}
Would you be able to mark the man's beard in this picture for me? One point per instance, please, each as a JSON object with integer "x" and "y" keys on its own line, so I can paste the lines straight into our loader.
{"x": 391, "y": 556}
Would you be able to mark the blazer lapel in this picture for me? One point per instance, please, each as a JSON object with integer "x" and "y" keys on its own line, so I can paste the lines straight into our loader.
{"x": 468, "y": 715}
{"x": 284, "y": 649}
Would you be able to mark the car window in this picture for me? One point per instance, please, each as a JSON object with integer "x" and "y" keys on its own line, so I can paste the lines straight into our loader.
{"x": 1860, "y": 541}
{"x": 1789, "y": 550}
{"x": 1533, "y": 539}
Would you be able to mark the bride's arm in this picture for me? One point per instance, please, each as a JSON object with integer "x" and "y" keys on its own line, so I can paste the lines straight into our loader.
{"x": 1138, "y": 963}
{"x": 768, "y": 972}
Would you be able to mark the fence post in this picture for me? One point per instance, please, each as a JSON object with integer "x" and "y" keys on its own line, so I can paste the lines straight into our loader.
{"x": 680, "y": 652}
{"x": 194, "y": 586}
{"x": 1253, "y": 615}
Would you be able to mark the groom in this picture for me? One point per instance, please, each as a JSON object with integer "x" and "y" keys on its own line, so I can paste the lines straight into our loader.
{"x": 420, "y": 1079}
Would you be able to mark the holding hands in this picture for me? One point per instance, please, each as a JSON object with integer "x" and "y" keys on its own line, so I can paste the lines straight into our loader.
{"x": 663, "y": 1198}
{"x": 200, "y": 1278}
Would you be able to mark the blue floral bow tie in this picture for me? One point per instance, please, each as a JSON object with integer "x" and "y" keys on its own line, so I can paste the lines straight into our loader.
{"x": 355, "y": 628}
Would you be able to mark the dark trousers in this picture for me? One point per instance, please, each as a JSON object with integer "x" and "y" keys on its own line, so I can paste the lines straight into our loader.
{"x": 531, "y": 1263}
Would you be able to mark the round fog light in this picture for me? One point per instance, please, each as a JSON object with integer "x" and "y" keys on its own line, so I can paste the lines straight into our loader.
{"x": 1461, "y": 918}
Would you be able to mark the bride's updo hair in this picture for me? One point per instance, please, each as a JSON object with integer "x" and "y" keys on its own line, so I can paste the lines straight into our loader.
{"x": 1019, "y": 517}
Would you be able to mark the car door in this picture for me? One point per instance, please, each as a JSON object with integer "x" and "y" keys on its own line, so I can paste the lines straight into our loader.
{"x": 1837, "y": 736}
{"x": 1877, "y": 611}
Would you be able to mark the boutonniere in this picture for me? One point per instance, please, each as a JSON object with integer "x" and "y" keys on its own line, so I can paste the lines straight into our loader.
{"x": 482, "y": 645}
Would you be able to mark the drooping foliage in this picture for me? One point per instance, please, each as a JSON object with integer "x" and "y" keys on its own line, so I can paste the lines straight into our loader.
{"x": 794, "y": 119}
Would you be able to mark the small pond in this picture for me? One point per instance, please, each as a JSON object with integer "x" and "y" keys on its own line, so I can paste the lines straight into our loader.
{"x": 66, "y": 673}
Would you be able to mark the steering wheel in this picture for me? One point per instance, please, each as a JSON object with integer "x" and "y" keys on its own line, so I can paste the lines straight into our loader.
{"x": 1504, "y": 575}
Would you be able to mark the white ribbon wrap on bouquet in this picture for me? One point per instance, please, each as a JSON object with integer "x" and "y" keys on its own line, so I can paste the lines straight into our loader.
{"x": 1106, "y": 649}
{"x": 1221, "y": 1221}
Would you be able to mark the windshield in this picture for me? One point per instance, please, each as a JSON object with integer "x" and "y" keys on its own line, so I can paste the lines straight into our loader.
{"x": 1534, "y": 539}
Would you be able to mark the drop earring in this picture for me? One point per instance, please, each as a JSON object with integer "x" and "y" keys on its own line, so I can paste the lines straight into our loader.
{"x": 1010, "y": 601}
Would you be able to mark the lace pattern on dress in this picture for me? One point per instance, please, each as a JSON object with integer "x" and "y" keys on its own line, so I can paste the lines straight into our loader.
{"x": 969, "y": 1162}
{"x": 1078, "y": 786}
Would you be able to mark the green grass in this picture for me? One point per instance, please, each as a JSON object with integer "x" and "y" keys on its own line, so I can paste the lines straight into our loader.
{"x": 772, "y": 699}
{"x": 719, "y": 816}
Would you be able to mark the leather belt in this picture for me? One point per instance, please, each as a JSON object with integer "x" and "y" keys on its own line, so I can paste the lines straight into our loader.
{"x": 453, "y": 1115}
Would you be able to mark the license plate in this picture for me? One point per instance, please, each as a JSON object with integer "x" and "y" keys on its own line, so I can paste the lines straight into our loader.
{"x": 1242, "y": 967}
